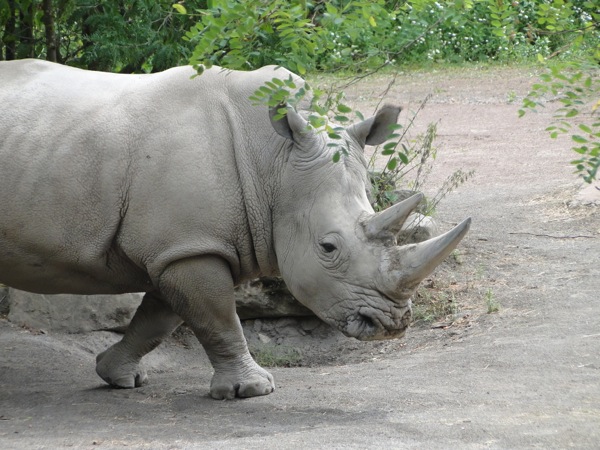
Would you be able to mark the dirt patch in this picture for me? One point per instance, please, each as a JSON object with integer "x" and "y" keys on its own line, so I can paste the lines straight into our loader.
{"x": 526, "y": 376}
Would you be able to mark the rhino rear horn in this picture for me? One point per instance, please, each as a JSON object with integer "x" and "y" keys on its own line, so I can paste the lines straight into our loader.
{"x": 391, "y": 219}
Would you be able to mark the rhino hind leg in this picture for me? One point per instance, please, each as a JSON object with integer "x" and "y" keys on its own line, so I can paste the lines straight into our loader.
{"x": 200, "y": 290}
{"x": 120, "y": 365}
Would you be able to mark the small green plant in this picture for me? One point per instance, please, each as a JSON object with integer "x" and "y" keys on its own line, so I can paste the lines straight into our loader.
{"x": 491, "y": 303}
{"x": 457, "y": 256}
{"x": 433, "y": 305}
{"x": 268, "y": 355}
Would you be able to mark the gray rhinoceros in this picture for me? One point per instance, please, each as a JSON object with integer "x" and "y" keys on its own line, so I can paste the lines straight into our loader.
{"x": 181, "y": 188}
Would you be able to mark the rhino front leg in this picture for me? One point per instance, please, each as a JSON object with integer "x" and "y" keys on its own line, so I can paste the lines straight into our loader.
{"x": 153, "y": 321}
{"x": 200, "y": 290}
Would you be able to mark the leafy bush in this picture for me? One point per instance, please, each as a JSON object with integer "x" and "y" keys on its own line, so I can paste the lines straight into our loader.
{"x": 360, "y": 35}
{"x": 302, "y": 35}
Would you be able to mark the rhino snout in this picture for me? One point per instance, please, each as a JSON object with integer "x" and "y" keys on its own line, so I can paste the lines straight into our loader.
{"x": 369, "y": 324}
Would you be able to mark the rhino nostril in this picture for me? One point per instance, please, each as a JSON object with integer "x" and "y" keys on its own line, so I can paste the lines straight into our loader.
{"x": 367, "y": 321}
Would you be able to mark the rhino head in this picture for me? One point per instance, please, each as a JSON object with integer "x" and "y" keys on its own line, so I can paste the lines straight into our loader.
{"x": 337, "y": 256}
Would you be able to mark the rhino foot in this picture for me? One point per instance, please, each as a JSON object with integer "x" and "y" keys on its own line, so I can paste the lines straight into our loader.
{"x": 228, "y": 384}
{"x": 118, "y": 370}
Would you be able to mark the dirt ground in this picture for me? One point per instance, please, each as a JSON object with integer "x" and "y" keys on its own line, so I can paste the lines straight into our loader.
{"x": 527, "y": 376}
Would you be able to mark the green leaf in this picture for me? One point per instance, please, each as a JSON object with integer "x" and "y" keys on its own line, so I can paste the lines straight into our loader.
{"x": 579, "y": 139}
{"x": 343, "y": 108}
{"x": 585, "y": 128}
{"x": 372, "y": 21}
{"x": 336, "y": 156}
{"x": 403, "y": 158}
{"x": 392, "y": 163}
{"x": 572, "y": 113}
{"x": 179, "y": 8}
{"x": 316, "y": 121}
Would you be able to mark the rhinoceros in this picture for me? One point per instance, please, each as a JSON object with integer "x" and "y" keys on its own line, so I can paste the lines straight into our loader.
{"x": 181, "y": 188}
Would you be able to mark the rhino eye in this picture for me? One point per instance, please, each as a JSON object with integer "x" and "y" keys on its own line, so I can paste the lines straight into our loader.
{"x": 328, "y": 248}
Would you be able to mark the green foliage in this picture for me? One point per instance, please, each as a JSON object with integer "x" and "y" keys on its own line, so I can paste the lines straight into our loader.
{"x": 573, "y": 82}
{"x": 249, "y": 34}
{"x": 137, "y": 36}
{"x": 360, "y": 35}
{"x": 302, "y": 35}
{"x": 431, "y": 305}
{"x": 116, "y": 36}
{"x": 574, "y": 87}
{"x": 244, "y": 34}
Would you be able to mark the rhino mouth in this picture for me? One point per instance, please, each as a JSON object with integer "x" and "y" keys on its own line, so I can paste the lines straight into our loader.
{"x": 368, "y": 324}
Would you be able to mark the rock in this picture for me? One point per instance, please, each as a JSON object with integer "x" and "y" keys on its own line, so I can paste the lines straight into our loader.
{"x": 417, "y": 228}
{"x": 264, "y": 338}
{"x": 261, "y": 298}
{"x": 589, "y": 195}
{"x": 72, "y": 313}
{"x": 267, "y": 297}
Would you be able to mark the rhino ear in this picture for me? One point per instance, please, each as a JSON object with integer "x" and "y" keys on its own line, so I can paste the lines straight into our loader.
{"x": 376, "y": 130}
{"x": 291, "y": 126}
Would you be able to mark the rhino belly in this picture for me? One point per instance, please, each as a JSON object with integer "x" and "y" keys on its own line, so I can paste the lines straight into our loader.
{"x": 39, "y": 274}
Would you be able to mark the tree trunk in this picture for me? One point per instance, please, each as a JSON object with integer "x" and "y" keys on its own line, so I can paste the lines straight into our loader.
{"x": 10, "y": 40}
{"x": 51, "y": 51}
{"x": 27, "y": 30}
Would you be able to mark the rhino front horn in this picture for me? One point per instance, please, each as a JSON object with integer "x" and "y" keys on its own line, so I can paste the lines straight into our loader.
{"x": 391, "y": 219}
{"x": 419, "y": 260}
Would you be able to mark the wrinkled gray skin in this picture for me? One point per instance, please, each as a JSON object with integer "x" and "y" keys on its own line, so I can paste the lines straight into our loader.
{"x": 181, "y": 188}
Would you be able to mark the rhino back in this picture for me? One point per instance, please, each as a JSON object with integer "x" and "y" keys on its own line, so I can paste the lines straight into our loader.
{"x": 107, "y": 178}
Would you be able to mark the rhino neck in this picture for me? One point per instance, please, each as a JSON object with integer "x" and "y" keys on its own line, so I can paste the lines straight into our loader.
{"x": 259, "y": 169}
